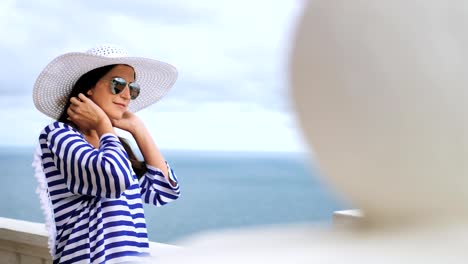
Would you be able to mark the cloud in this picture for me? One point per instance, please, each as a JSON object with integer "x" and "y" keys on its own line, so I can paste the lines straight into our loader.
{"x": 217, "y": 126}
{"x": 231, "y": 56}
{"x": 224, "y": 50}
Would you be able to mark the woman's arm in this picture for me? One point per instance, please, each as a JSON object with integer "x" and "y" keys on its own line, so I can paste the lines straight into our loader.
{"x": 159, "y": 184}
{"x": 156, "y": 189}
{"x": 151, "y": 154}
{"x": 104, "y": 172}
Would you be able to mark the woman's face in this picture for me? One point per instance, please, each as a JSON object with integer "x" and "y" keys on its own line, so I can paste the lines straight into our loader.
{"x": 114, "y": 105}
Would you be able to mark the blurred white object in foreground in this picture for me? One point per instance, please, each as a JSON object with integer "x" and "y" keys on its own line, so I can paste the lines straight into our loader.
{"x": 381, "y": 91}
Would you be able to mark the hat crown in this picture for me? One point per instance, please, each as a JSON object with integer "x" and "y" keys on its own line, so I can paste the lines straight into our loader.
{"x": 107, "y": 50}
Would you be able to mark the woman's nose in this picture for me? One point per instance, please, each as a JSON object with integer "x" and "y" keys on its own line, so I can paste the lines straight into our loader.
{"x": 126, "y": 93}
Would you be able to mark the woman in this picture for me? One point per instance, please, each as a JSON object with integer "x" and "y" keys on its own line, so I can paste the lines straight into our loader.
{"x": 94, "y": 184}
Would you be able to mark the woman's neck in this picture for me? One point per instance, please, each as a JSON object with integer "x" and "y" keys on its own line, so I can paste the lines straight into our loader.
{"x": 91, "y": 136}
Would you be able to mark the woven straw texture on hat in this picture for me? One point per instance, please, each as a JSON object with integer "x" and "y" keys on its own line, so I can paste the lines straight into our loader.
{"x": 55, "y": 82}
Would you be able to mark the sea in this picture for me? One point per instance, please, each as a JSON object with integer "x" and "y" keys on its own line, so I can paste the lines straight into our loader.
{"x": 220, "y": 190}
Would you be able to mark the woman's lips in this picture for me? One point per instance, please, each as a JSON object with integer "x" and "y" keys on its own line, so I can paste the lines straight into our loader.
{"x": 121, "y": 105}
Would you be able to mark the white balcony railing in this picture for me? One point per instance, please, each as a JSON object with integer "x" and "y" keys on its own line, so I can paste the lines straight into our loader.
{"x": 23, "y": 242}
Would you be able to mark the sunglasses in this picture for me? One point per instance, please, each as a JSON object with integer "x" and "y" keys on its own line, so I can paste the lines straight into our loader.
{"x": 118, "y": 84}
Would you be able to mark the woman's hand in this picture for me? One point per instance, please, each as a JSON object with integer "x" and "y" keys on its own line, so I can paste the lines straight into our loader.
{"x": 87, "y": 115}
{"x": 129, "y": 122}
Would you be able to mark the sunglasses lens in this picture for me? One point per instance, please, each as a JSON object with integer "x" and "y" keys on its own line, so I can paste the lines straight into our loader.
{"x": 118, "y": 85}
{"x": 134, "y": 90}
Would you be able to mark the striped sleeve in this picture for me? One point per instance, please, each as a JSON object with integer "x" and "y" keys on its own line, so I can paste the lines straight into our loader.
{"x": 104, "y": 172}
{"x": 156, "y": 189}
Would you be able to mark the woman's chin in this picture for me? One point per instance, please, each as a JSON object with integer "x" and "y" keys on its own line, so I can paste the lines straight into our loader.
{"x": 115, "y": 115}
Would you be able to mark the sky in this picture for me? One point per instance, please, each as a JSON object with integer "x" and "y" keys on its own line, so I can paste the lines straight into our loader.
{"x": 232, "y": 93}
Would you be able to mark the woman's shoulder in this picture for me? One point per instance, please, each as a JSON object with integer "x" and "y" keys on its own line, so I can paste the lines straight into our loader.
{"x": 59, "y": 126}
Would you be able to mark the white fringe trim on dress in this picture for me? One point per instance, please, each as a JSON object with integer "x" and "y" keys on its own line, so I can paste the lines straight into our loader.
{"x": 44, "y": 198}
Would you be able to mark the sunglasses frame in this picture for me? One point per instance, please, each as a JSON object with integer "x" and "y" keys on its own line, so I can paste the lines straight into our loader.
{"x": 119, "y": 81}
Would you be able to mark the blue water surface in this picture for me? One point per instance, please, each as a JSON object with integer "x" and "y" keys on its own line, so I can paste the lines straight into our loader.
{"x": 219, "y": 190}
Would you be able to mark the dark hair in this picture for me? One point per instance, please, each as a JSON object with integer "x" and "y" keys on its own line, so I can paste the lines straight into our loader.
{"x": 83, "y": 85}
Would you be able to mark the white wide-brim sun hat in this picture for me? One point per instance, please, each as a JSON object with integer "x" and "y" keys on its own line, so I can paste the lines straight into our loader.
{"x": 55, "y": 82}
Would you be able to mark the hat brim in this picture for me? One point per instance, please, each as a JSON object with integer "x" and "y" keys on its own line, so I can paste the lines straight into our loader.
{"x": 55, "y": 82}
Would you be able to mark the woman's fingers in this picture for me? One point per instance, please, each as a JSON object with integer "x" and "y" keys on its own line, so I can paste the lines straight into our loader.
{"x": 75, "y": 101}
{"x": 83, "y": 97}
{"x": 74, "y": 108}
{"x": 83, "y": 110}
{"x": 71, "y": 113}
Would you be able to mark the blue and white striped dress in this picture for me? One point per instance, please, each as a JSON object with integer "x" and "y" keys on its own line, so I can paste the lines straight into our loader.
{"x": 97, "y": 198}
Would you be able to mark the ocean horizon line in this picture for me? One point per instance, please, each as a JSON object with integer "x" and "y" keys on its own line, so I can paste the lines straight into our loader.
{"x": 191, "y": 150}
